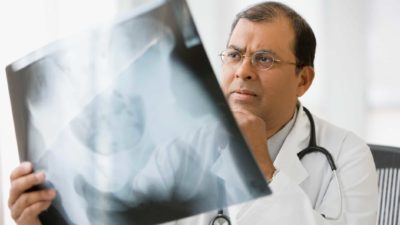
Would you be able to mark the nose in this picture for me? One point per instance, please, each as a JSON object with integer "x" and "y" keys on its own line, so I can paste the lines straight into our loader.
{"x": 245, "y": 70}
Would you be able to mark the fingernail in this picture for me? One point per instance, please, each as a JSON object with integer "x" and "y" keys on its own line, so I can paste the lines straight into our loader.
{"x": 51, "y": 193}
{"x": 40, "y": 175}
{"x": 26, "y": 165}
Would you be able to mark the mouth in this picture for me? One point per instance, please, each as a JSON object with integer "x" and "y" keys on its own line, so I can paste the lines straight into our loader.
{"x": 244, "y": 92}
{"x": 243, "y": 95}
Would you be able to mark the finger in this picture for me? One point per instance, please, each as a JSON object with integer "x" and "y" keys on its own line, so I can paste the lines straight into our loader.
{"x": 31, "y": 198}
{"x": 22, "y": 184}
{"x": 30, "y": 214}
{"x": 23, "y": 169}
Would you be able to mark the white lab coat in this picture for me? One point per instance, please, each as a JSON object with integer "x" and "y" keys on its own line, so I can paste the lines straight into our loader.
{"x": 303, "y": 190}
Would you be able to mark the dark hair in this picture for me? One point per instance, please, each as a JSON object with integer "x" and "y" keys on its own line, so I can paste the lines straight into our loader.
{"x": 304, "y": 43}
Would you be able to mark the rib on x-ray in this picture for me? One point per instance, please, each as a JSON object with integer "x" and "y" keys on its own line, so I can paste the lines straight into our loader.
{"x": 129, "y": 123}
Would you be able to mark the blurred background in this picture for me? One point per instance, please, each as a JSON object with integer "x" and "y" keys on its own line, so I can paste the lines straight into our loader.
{"x": 357, "y": 83}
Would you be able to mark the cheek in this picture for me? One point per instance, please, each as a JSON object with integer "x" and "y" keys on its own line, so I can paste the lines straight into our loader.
{"x": 277, "y": 87}
{"x": 271, "y": 85}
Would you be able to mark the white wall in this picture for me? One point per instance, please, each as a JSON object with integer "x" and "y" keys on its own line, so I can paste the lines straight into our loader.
{"x": 25, "y": 26}
{"x": 383, "y": 76}
{"x": 357, "y": 79}
{"x": 357, "y": 83}
{"x": 21, "y": 28}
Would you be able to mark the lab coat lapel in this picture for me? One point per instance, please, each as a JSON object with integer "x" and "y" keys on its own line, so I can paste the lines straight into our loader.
{"x": 287, "y": 159}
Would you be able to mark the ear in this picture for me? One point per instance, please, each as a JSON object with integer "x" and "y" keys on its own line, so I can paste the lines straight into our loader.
{"x": 306, "y": 77}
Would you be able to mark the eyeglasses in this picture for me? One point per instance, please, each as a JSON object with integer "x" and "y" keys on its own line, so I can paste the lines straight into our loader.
{"x": 261, "y": 60}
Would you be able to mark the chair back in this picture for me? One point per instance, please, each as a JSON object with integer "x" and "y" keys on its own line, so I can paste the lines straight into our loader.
{"x": 387, "y": 161}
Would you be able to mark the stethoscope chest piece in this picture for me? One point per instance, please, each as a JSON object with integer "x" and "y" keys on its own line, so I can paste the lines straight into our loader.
{"x": 220, "y": 219}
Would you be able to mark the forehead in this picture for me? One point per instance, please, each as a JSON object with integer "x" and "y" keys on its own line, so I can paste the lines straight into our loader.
{"x": 276, "y": 36}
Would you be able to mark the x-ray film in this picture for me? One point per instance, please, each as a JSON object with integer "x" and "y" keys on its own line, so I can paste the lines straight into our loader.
{"x": 129, "y": 123}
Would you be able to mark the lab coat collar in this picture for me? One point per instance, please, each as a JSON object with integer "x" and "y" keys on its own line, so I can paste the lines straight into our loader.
{"x": 287, "y": 159}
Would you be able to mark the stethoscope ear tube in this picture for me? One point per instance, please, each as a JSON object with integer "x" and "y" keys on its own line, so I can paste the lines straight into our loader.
{"x": 313, "y": 147}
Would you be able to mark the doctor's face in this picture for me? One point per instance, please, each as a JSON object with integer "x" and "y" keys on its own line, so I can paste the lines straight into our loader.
{"x": 270, "y": 93}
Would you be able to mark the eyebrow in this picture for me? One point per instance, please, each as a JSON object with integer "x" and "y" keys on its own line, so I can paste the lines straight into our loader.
{"x": 241, "y": 50}
{"x": 237, "y": 48}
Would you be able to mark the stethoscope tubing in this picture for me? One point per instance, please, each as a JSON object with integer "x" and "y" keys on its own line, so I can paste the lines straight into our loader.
{"x": 312, "y": 147}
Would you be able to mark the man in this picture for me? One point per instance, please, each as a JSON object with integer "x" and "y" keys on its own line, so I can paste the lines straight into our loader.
{"x": 268, "y": 65}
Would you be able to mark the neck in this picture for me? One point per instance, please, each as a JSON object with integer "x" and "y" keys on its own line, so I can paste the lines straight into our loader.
{"x": 276, "y": 124}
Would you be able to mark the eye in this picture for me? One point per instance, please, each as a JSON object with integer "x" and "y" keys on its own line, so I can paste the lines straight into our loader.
{"x": 263, "y": 58}
{"x": 233, "y": 55}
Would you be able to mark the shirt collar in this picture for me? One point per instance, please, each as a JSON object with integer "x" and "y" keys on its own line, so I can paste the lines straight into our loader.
{"x": 276, "y": 141}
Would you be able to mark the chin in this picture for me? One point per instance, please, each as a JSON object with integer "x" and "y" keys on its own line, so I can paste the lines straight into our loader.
{"x": 245, "y": 106}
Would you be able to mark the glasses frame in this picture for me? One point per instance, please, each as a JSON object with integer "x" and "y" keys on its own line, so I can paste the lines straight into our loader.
{"x": 253, "y": 63}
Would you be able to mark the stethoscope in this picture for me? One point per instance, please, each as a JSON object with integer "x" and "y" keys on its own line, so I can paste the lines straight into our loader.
{"x": 222, "y": 219}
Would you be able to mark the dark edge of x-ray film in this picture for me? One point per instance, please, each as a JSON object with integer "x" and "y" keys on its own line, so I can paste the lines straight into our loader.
{"x": 129, "y": 123}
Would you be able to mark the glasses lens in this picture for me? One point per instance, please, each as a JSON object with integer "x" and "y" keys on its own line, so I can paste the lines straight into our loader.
{"x": 263, "y": 60}
{"x": 231, "y": 56}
